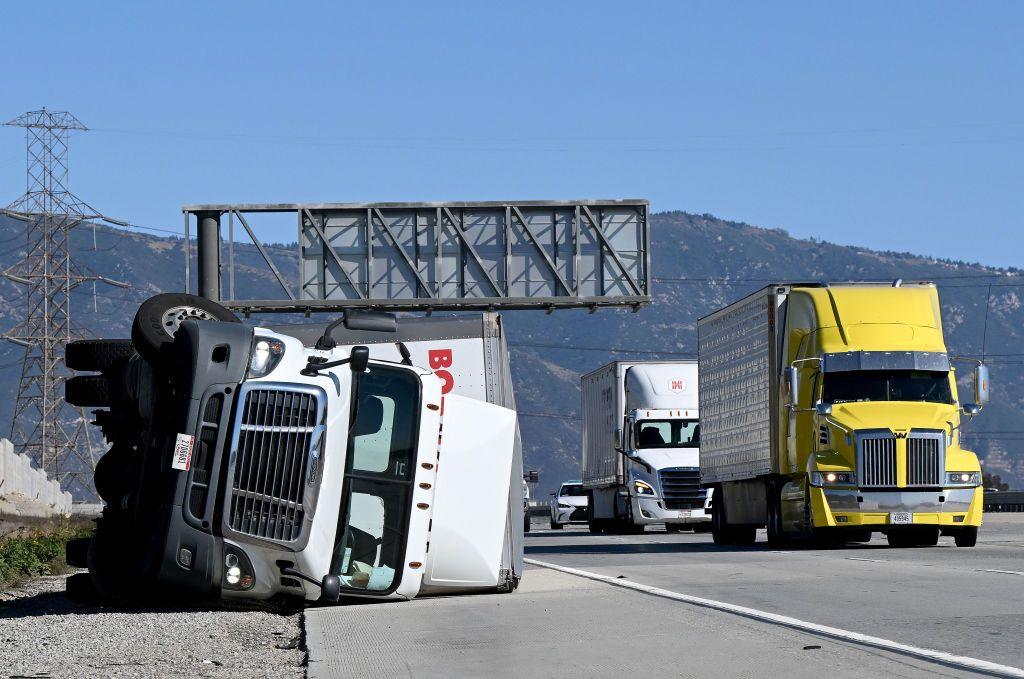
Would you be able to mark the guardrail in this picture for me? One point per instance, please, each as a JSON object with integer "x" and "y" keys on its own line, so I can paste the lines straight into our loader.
{"x": 1004, "y": 501}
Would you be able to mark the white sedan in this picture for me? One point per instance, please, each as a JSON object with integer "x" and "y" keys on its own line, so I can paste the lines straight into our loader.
{"x": 568, "y": 505}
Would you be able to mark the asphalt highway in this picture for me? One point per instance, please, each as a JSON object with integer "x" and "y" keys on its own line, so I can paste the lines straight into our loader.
{"x": 632, "y": 604}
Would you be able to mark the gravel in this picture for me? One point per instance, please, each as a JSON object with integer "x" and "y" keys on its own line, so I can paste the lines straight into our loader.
{"x": 43, "y": 634}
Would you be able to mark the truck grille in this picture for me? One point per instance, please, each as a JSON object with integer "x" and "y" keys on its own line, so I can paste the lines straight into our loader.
{"x": 877, "y": 460}
{"x": 926, "y": 458}
{"x": 275, "y": 455}
{"x": 680, "y": 488}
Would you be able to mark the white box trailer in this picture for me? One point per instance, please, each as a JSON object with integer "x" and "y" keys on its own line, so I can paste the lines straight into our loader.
{"x": 641, "y": 437}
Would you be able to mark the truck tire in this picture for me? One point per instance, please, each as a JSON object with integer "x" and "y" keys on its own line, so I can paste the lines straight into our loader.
{"x": 776, "y": 534}
{"x": 720, "y": 532}
{"x": 96, "y": 355}
{"x": 87, "y": 391}
{"x": 966, "y": 537}
{"x": 76, "y": 552}
{"x": 115, "y": 474}
{"x": 81, "y": 589}
{"x": 160, "y": 316}
{"x": 526, "y": 521}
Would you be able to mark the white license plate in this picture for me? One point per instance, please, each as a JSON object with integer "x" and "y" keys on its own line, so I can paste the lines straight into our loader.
{"x": 901, "y": 517}
{"x": 684, "y": 513}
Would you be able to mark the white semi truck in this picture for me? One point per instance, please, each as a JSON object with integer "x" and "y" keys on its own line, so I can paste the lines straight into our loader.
{"x": 641, "y": 438}
{"x": 371, "y": 457}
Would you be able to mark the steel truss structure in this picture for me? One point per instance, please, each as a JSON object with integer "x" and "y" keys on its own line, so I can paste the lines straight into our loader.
{"x": 54, "y": 434}
{"x": 425, "y": 256}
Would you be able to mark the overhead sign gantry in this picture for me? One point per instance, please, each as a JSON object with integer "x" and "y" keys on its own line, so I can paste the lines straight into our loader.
{"x": 433, "y": 256}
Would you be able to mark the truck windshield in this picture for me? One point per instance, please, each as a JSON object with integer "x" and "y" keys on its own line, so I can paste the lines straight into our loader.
{"x": 370, "y": 540}
{"x": 886, "y": 385}
{"x": 668, "y": 434}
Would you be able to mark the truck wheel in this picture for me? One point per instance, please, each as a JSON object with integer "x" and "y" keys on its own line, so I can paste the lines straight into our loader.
{"x": 720, "y": 532}
{"x": 526, "y": 521}
{"x": 115, "y": 474}
{"x": 966, "y": 537}
{"x": 87, "y": 391}
{"x": 744, "y": 535}
{"x": 81, "y": 589}
{"x": 159, "y": 317}
{"x": 76, "y": 552}
{"x": 776, "y": 535}
{"x": 96, "y": 355}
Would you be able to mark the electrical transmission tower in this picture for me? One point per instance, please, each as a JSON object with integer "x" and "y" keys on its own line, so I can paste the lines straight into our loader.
{"x": 54, "y": 434}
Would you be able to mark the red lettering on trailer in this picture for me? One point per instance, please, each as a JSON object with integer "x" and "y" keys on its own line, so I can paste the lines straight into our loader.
{"x": 438, "y": 360}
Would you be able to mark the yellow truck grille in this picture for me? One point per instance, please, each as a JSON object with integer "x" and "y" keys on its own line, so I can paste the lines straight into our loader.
{"x": 877, "y": 463}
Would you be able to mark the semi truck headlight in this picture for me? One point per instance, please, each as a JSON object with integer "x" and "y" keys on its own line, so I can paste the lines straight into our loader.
{"x": 833, "y": 478}
{"x": 962, "y": 478}
{"x": 643, "y": 488}
{"x": 238, "y": 571}
{"x": 267, "y": 352}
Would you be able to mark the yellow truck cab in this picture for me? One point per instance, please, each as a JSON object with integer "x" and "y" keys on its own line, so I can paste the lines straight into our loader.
{"x": 832, "y": 411}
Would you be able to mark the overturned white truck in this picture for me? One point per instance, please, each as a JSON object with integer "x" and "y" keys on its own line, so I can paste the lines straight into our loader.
{"x": 371, "y": 457}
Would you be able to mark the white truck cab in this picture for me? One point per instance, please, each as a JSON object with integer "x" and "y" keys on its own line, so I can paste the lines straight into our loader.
{"x": 369, "y": 460}
{"x": 641, "y": 446}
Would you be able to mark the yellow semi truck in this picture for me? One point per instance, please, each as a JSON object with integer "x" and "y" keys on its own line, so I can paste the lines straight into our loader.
{"x": 830, "y": 412}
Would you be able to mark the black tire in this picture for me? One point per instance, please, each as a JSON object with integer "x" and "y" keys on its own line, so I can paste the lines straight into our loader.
{"x": 76, "y": 552}
{"x": 158, "y": 318}
{"x": 720, "y": 531}
{"x": 115, "y": 474}
{"x": 87, "y": 391}
{"x": 744, "y": 535}
{"x": 81, "y": 589}
{"x": 556, "y": 526}
{"x": 857, "y": 535}
{"x": 96, "y": 355}
{"x": 526, "y": 521}
{"x": 966, "y": 537}
{"x": 776, "y": 534}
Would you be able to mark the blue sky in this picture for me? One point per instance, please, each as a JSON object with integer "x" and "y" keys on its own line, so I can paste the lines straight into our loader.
{"x": 892, "y": 125}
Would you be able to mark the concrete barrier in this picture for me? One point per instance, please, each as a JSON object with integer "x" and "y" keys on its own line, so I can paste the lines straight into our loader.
{"x": 28, "y": 487}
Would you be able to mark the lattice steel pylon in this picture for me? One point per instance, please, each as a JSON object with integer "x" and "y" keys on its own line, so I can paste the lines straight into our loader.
{"x": 54, "y": 434}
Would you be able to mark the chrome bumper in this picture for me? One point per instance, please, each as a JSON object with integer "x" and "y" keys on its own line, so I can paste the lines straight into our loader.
{"x": 953, "y": 500}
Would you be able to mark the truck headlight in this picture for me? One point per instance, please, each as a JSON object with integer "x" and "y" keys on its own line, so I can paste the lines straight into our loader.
{"x": 267, "y": 352}
{"x": 643, "y": 488}
{"x": 962, "y": 478}
{"x": 833, "y": 478}
{"x": 238, "y": 572}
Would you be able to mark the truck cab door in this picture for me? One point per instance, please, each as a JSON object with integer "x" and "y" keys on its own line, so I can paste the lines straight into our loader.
{"x": 471, "y": 495}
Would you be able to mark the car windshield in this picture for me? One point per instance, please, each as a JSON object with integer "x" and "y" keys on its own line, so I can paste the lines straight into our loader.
{"x": 372, "y": 525}
{"x": 668, "y": 434}
{"x": 571, "y": 489}
{"x": 887, "y": 385}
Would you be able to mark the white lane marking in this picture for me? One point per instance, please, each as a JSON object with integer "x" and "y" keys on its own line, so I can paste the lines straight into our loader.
{"x": 857, "y": 558}
{"x": 996, "y": 570}
{"x": 814, "y": 628}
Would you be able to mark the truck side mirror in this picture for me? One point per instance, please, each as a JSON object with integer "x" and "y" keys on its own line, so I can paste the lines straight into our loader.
{"x": 617, "y": 439}
{"x": 823, "y": 408}
{"x": 981, "y": 394}
{"x": 359, "y": 358}
{"x": 970, "y": 409}
{"x": 794, "y": 385}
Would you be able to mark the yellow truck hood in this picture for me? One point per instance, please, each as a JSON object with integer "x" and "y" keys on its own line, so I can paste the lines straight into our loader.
{"x": 895, "y": 415}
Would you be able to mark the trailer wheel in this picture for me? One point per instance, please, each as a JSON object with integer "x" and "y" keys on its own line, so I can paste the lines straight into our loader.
{"x": 159, "y": 317}
{"x": 966, "y": 537}
{"x": 720, "y": 532}
{"x": 87, "y": 391}
{"x": 96, "y": 355}
{"x": 776, "y": 534}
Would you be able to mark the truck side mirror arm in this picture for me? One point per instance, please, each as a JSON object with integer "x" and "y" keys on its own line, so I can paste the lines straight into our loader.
{"x": 358, "y": 360}
{"x": 639, "y": 460}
